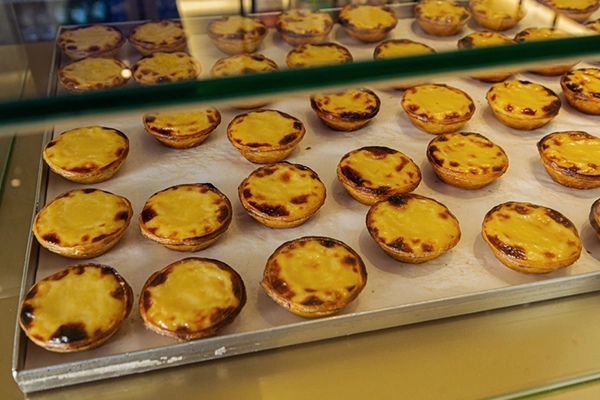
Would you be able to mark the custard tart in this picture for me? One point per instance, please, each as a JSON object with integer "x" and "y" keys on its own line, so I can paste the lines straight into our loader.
{"x": 530, "y": 238}
{"x": 186, "y": 217}
{"x": 401, "y": 48}
{"x": 412, "y": 228}
{"x": 265, "y": 136}
{"x": 192, "y": 298}
{"x": 441, "y": 18}
{"x": 523, "y": 104}
{"x": 486, "y": 39}
{"x": 90, "y": 41}
{"x": 237, "y": 34}
{"x": 581, "y": 88}
{"x": 367, "y": 23}
{"x": 577, "y": 10}
{"x": 282, "y": 195}
{"x": 373, "y": 173}
{"x": 571, "y": 158}
{"x": 437, "y": 108}
{"x": 349, "y": 110}
{"x": 182, "y": 130}
{"x": 163, "y": 35}
{"x": 314, "y": 276}
{"x": 544, "y": 33}
{"x": 304, "y": 26}
{"x": 82, "y": 223}
{"x": 76, "y": 309}
{"x": 314, "y": 55}
{"x": 92, "y": 74}
{"x": 466, "y": 160}
{"x": 160, "y": 68}
{"x": 87, "y": 155}
{"x": 497, "y": 15}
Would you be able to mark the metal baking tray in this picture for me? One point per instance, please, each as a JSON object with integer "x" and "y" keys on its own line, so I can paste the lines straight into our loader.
{"x": 465, "y": 280}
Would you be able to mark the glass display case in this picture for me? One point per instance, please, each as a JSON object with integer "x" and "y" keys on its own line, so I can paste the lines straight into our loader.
{"x": 399, "y": 298}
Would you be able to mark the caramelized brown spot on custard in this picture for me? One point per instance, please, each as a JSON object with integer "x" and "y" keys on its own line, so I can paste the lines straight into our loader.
{"x": 52, "y": 238}
{"x": 147, "y": 300}
{"x": 354, "y": 176}
{"x": 511, "y": 251}
{"x": 399, "y": 244}
{"x": 559, "y": 218}
{"x": 69, "y": 333}
{"x": 288, "y": 139}
{"x": 398, "y": 200}
{"x": 349, "y": 260}
{"x": 223, "y": 214}
{"x": 300, "y": 199}
{"x": 118, "y": 293}
{"x": 273, "y": 211}
{"x": 123, "y": 215}
{"x": 326, "y": 243}
{"x": 312, "y": 301}
{"x": 148, "y": 214}
{"x": 26, "y": 315}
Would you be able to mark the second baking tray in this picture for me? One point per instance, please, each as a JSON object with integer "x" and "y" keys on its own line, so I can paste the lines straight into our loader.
{"x": 464, "y": 280}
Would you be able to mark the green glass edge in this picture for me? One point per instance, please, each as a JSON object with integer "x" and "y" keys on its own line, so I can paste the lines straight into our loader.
{"x": 293, "y": 80}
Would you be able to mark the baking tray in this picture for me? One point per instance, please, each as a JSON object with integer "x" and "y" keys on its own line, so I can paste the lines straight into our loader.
{"x": 464, "y": 280}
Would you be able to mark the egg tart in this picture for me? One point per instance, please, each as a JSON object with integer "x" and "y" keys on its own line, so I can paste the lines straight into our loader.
{"x": 166, "y": 68}
{"x": 314, "y": 276}
{"x": 530, "y": 238}
{"x": 412, "y": 228}
{"x": 367, "y": 23}
{"x": 92, "y": 40}
{"x": 441, "y": 18}
{"x": 373, "y": 173}
{"x": 282, "y": 195}
{"x": 76, "y": 309}
{"x": 594, "y": 25}
{"x": 92, "y": 74}
{"x": 346, "y": 111}
{"x": 243, "y": 64}
{"x": 578, "y": 10}
{"x": 182, "y": 130}
{"x": 533, "y": 34}
{"x": 163, "y": 35}
{"x": 437, "y": 108}
{"x": 192, "y": 298}
{"x": 82, "y": 223}
{"x": 401, "y": 48}
{"x": 581, "y": 88}
{"x": 300, "y": 26}
{"x": 594, "y": 217}
{"x": 186, "y": 217}
{"x": 87, "y": 155}
{"x": 237, "y": 34}
{"x": 314, "y": 55}
{"x": 487, "y": 39}
{"x": 265, "y": 136}
{"x": 571, "y": 158}
{"x": 497, "y": 15}
{"x": 466, "y": 160}
{"x": 523, "y": 104}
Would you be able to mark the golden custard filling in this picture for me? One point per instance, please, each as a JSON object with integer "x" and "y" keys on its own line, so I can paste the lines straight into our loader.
{"x": 575, "y": 151}
{"x": 438, "y": 103}
{"x": 583, "y": 82}
{"x": 532, "y": 233}
{"x": 531, "y": 34}
{"x": 401, "y": 47}
{"x": 496, "y": 9}
{"x": 441, "y": 12}
{"x": 177, "y": 64}
{"x": 193, "y": 294}
{"x": 379, "y": 167}
{"x": 182, "y": 123}
{"x": 318, "y": 54}
{"x": 368, "y": 17}
{"x": 237, "y": 27}
{"x": 303, "y": 22}
{"x": 265, "y": 128}
{"x": 485, "y": 39}
{"x": 90, "y": 37}
{"x": 95, "y": 72}
{"x": 86, "y": 149}
{"x": 523, "y": 98}
{"x": 184, "y": 212}
{"x": 417, "y": 225}
{"x": 77, "y": 304}
{"x": 158, "y": 32}
{"x": 572, "y": 5}
{"x": 353, "y": 103}
{"x": 242, "y": 64}
{"x": 283, "y": 190}
{"x": 313, "y": 269}
{"x": 82, "y": 216}
{"x": 468, "y": 153}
